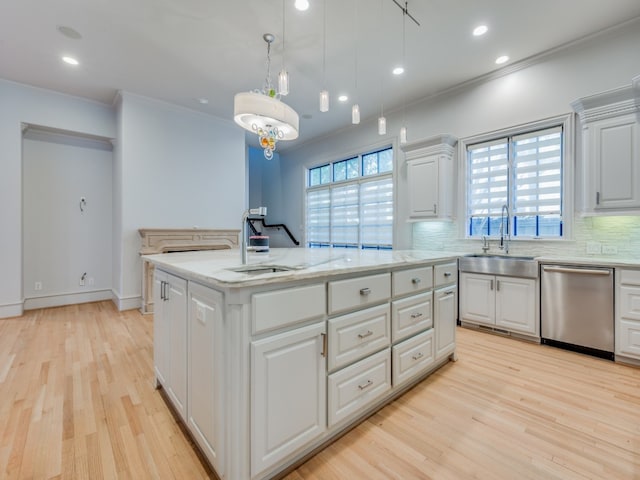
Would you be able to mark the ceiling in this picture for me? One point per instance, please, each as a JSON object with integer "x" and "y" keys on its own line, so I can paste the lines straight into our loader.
{"x": 182, "y": 50}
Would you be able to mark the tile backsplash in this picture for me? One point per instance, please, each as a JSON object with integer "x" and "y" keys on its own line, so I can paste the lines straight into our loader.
{"x": 615, "y": 237}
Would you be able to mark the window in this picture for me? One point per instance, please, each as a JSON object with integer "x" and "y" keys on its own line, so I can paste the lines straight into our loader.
{"x": 350, "y": 202}
{"x": 524, "y": 170}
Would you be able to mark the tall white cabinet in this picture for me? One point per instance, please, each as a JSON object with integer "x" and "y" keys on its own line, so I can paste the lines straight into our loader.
{"x": 170, "y": 337}
{"x": 611, "y": 152}
{"x": 431, "y": 171}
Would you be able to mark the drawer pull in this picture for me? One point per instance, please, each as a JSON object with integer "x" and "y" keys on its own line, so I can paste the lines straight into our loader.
{"x": 416, "y": 315}
{"x": 365, "y": 385}
{"x": 324, "y": 345}
{"x": 365, "y": 291}
{"x": 368, "y": 333}
{"x": 418, "y": 356}
{"x": 416, "y": 280}
{"x": 450, "y": 292}
{"x": 447, "y": 274}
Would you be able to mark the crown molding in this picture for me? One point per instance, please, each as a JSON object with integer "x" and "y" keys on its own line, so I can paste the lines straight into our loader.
{"x": 438, "y": 144}
{"x": 608, "y": 104}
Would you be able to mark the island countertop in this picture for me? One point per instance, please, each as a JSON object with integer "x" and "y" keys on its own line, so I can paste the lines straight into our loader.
{"x": 218, "y": 267}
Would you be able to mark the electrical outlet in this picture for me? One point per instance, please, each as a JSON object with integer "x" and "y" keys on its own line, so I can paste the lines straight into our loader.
{"x": 37, "y": 286}
{"x": 90, "y": 281}
{"x": 594, "y": 248}
{"x": 609, "y": 249}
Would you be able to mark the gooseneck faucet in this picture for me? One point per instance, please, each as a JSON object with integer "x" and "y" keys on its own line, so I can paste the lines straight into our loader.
{"x": 262, "y": 211}
{"x": 504, "y": 244}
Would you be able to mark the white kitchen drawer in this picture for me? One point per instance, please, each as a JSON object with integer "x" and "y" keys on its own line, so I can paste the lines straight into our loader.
{"x": 630, "y": 302}
{"x": 356, "y": 335}
{"x": 281, "y": 308}
{"x": 411, "y": 315}
{"x": 358, "y": 292}
{"x": 414, "y": 280}
{"x": 629, "y": 338}
{"x": 412, "y": 357}
{"x": 445, "y": 273}
{"x": 629, "y": 277}
{"x": 353, "y": 388}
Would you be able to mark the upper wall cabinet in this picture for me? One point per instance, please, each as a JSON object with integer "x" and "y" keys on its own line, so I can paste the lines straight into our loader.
{"x": 431, "y": 177}
{"x": 611, "y": 151}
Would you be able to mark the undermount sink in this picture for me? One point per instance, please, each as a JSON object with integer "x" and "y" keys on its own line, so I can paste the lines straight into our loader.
{"x": 508, "y": 265}
{"x": 260, "y": 269}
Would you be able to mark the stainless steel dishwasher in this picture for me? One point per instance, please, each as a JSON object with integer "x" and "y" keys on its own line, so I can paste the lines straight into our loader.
{"x": 577, "y": 308}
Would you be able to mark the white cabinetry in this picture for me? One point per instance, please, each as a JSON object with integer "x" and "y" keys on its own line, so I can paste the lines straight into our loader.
{"x": 611, "y": 150}
{"x": 170, "y": 337}
{"x": 205, "y": 402}
{"x": 503, "y": 302}
{"x": 444, "y": 313}
{"x": 430, "y": 177}
{"x": 288, "y": 394}
{"x": 627, "y": 327}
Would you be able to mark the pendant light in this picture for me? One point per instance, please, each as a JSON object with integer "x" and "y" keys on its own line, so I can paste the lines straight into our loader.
{"x": 283, "y": 76}
{"x": 355, "y": 109}
{"x": 324, "y": 93}
{"x": 403, "y": 129}
{"x": 382, "y": 122}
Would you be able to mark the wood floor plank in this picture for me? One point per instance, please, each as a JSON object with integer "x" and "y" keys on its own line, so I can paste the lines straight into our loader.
{"x": 77, "y": 401}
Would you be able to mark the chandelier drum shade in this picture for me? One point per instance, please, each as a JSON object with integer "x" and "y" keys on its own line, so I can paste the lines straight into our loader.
{"x": 263, "y": 113}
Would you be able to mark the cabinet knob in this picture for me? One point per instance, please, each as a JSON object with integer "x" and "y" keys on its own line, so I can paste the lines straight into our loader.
{"x": 365, "y": 291}
{"x": 416, "y": 280}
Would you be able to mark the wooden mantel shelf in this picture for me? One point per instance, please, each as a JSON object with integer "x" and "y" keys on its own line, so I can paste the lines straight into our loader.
{"x": 165, "y": 240}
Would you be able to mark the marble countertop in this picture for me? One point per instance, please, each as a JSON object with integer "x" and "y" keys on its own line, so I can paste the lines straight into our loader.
{"x": 216, "y": 267}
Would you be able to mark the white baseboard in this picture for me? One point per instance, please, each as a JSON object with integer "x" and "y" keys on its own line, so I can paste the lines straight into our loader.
{"x": 66, "y": 299}
{"x": 126, "y": 303}
{"x": 11, "y": 310}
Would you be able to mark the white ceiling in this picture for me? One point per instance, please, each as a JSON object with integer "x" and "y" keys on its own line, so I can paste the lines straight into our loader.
{"x": 181, "y": 50}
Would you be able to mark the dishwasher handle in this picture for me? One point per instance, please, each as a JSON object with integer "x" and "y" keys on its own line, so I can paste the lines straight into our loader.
{"x": 583, "y": 271}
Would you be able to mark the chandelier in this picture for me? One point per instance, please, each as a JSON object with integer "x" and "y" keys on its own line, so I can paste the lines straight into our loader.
{"x": 263, "y": 113}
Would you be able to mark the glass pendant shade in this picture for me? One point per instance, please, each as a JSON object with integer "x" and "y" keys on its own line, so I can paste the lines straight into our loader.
{"x": 403, "y": 135}
{"x": 355, "y": 114}
{"x": 283, "y": 82}
{"x": 382, "y": 125}
{"x": 324, "y": 101}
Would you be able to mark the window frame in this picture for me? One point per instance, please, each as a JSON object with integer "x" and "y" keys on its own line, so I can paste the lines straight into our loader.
{"x": 566, "y": 122}
{"x": 362, "y": 178}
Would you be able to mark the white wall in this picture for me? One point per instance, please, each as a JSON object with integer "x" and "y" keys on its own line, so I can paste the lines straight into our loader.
{"x": 23, "y": 104}
{"x": 61, "y": 242}
{"x": 541, "y": 90}
{"x": 173, "y": 168}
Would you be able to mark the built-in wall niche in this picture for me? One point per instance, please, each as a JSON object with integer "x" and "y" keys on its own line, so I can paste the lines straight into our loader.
{"x": 66, "y": 217}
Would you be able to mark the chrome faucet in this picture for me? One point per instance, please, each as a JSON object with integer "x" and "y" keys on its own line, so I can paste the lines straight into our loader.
{"x": 504, "y": 244}
{"x": 485, "y": 244}
{"x": 262, "y": 211}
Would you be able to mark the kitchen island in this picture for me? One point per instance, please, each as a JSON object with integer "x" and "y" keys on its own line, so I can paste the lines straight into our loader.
{"x": 267, "y": 362}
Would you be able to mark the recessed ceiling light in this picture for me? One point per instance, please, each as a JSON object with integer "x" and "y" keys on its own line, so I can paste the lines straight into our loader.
{"x": 69, "y": 32}
{"x": 480, "y": 30}
{"x": 343, "y": 98}
{"x": 302, "y": 5}
{"x": 70, "y": 60}
{"x": 203, "y": 101}
{"x": 502, "y": 59}
{"x": 398, "y": 70}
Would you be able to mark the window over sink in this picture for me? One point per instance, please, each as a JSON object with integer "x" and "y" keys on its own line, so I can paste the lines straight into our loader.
{"x": 527, "y": 170}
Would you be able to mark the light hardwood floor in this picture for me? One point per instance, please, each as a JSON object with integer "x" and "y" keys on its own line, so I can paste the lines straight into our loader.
{"x": 77, "y": 400}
